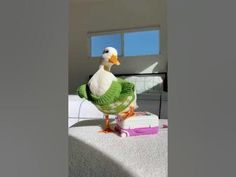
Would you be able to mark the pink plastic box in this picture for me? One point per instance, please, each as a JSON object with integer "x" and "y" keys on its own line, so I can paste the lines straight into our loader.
{"x": 142, "y": 123}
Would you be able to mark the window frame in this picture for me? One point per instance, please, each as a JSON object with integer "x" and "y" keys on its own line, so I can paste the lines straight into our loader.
{"x": 121, "y": 32}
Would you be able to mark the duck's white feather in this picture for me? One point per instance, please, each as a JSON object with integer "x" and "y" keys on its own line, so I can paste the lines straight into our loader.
{"x": 101, "y": 81}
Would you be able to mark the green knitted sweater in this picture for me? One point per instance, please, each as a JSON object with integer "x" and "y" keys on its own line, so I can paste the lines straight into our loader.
{"x": 116, "y": 99}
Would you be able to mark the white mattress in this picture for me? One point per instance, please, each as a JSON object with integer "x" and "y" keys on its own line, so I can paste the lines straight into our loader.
{"x": 93, "y": 154}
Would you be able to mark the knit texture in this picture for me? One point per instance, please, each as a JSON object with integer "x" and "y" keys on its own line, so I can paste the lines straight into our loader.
{"x": 116, "y": 99}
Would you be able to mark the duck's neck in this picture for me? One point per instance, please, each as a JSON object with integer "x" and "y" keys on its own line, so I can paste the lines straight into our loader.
{"x": 107, "y": 67}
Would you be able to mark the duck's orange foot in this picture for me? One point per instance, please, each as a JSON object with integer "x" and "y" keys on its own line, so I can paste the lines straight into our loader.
{"x": 129, "y": 113}
{"x": 107, "y": 130}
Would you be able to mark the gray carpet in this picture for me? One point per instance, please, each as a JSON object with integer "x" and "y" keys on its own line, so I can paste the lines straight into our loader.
{"x": 93, "y": 154}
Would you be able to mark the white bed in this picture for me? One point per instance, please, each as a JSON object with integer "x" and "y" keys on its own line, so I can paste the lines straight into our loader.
{"x": 93, "y": 154}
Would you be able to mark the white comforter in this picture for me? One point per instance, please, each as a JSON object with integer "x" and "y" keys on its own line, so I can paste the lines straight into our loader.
{"x": 93, "y": 154}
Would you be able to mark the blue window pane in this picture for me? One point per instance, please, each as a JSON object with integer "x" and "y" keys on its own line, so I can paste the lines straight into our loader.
{"x": 98, "y": 43}
{"x": 142, "y": 43}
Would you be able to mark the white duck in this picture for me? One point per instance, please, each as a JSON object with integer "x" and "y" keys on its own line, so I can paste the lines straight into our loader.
{"x": 103, "y": 78}
{"x": 110, "y": 95}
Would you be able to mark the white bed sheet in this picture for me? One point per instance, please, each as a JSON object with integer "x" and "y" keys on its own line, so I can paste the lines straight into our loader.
{"x": 93, "y": 154}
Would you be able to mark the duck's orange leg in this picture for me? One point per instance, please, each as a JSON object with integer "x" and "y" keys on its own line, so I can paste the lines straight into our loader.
{"x": 107, "y": 124}
{"x": 129, "y": 113}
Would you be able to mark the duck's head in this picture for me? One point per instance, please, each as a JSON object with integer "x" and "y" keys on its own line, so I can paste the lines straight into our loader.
{"x": 110, "y": 57}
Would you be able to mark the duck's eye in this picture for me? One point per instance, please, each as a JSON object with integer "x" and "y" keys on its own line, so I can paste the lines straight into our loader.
{"x": 106, "y": 51}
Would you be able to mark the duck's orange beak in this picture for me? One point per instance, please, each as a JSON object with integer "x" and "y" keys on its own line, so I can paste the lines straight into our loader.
{"x": 114, "y": 60}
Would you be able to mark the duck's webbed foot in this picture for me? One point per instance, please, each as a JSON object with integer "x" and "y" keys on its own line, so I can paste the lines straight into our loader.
{"x": 106, "y": 130}
{"x": 107, "y": 124}
{"x": 129, "y": 113}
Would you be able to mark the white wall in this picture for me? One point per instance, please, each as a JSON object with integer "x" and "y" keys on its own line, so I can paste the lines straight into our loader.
{"x": 102, "y": 15}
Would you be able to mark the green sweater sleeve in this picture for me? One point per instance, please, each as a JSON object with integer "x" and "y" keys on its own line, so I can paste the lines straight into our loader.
{"x": 128, "y": 88}
{"x": 81, "y": 91}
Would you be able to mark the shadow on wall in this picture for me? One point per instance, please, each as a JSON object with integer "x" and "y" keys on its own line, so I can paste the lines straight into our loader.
{"x": 140, "y": 65}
